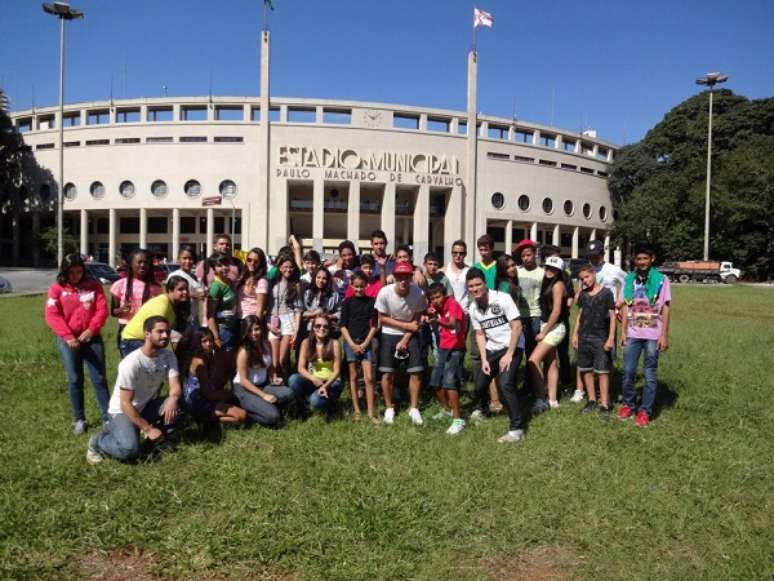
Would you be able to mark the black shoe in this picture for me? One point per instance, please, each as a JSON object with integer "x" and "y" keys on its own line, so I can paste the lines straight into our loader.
{"x": 605, "y": 413}
{"x": 590, "y": 407}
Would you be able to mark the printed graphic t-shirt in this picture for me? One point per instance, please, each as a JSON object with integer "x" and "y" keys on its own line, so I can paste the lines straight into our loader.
{"x": 495, "y": 320}
{"x": 645, "y": 320}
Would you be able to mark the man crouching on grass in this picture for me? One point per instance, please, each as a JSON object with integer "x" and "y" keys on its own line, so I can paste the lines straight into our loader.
{"x": 135, "y": 405}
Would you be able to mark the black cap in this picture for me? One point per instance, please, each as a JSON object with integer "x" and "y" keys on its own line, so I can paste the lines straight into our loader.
{"x": 595, "y": 248}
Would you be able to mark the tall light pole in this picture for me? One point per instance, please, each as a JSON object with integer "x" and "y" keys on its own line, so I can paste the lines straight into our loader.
{"x": 62, "y": 11}
{"x": 710, "y": 80}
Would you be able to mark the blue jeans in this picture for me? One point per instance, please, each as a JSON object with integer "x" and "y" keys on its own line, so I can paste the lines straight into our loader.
{"x": 306, "y": 390}
{"x": 530, "y": 328}
{"x": 93, "y": 355}
{"x": 122, "y": 438}
{"x": 126, "y": 346}
{"x": 632, "y": 351}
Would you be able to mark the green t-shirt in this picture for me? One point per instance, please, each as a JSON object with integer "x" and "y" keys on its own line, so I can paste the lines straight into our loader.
{"x": 530, "y": 281}
{"x": 441, "y": 277}
{"x": 490, "y": 272}
{"x": 225, "y": 299}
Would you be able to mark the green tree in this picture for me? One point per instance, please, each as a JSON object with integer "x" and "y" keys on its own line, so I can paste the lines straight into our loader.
{"x": 658, "y": 184}
{"x": 48, "y": 242}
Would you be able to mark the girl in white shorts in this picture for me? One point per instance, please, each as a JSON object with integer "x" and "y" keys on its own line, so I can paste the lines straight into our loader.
{"x": 285, "y": 315}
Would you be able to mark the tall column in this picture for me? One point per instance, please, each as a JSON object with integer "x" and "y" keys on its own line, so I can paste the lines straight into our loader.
{"x": 84, "y": 232}
{"x": 258, "y": 234}
{"x": 556, "y": 237}
{"x": 452, "y": 222}
{"x": 388, "y": 214}
{"x": 318, "y": 214}
{"x": 143, "y": 228}
{"x": 593, "y": 235}
{"x": 471, "y": 152}
{"x": 210, "y": 231}
{"x": 112, "y": 247}
{"x": 575, "y": 241}
{"x": 509, "y": 236}
{"x": 422, "y": 223}
{"x": 353, "y": 213}
{"x": 533, "y": 232}
{"x": 607, "y": 245}
{"x": 617, "y": 257}
{"x": 175, "y": 234}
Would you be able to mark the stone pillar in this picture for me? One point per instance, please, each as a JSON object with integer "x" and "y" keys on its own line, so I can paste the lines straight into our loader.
{"x": 533, "y": 232}
{"x": 388, "y": 214}
{"x": 84, "y": 232}
{"x": 575, "y": 241}
{"x": 175, "y": 234}
{"x": 318, "y": 214}
{"x": 210, "y": 231}
{"x": 617, "y": 258}
{"x": 422, "y": 223}
{"x": 353, "y": 214}
{"x": 509, "y": 237}
{"x": 593, "y": 235}
{"x": 452, "y": 221}
{"x": 112, "y": 246}
{"x": 143, "y": 228}
{"x": 556, "y": 237}
{"x": 469, "y": 211}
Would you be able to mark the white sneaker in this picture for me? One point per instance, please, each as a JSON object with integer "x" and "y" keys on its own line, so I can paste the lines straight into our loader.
{"x": 416, "y": 417}
{"x": 512, "y": 436}
{"x": 578, "y": 396}
{"x": 553, "y": 403}
{"x": 79, "y": 427}
{"x": 477, "y": 416}
{"x": 442, "y": 415}
{"x": 389, "y": 416}
{"x": 456, "y": 427}
{"x": 93, "y": 455}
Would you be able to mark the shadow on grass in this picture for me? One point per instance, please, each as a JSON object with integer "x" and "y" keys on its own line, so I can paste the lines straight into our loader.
{"x": 666, "y": 397}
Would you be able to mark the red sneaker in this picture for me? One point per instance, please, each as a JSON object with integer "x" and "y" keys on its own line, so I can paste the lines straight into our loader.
{"x": 625, "y": 413}
{"x": 643, "y": 419}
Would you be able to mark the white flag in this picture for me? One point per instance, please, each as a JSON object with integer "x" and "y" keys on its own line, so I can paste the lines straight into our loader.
{"x": 481, "y": 18}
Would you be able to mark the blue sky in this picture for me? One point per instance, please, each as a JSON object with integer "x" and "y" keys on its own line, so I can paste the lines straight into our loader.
{"x": 615, "y": 66}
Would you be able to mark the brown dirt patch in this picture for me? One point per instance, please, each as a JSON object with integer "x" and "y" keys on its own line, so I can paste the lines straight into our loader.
{"x": 129, "y": 562}
{"x": 543, "y": 563}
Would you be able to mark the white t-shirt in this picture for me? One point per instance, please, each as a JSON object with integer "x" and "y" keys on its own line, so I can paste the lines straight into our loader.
{"x": 612, "y": 277}
{"x": 400, "y": 308}
{"x": 495, "y": 320}
{"x": 145, "y": 375}
{"x": 458, "y": 283}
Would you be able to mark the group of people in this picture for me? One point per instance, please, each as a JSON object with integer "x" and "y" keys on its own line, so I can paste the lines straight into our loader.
{"x": 250, "y": 342}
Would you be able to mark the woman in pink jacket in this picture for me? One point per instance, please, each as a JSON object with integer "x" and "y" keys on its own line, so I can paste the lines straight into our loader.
{"x": 76, "y": 310}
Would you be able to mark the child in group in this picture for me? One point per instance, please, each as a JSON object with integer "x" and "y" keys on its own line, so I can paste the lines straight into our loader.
{"x": 320, "y": 298}
{"x": 487, "y": 265}
{"x": 256, "y": 384}
{"x": 447, "y": 314}
{"x": 367, "y": 267}
{"x": 312, "y": 262}
{"x": 222, "y": 319}
{"x": 344, "y": 267}
{"x": 434, "y": 274}
{"x": 203, "y": 400}
{"x": 252, "y": 288}
{"x": 507, "y": 280}
{"x": 593, "y": 339}
{"x": 645, "y": 314}
{"x": 318, "y": 379}
{"x": 359, "y": 322}
{"x": 130, "y": 293}
{"x": 285, "y": 309}
{"x": 197, "y": 291}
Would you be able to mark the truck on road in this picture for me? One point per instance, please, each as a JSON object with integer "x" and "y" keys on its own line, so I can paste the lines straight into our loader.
{"x": 701, "y": 271}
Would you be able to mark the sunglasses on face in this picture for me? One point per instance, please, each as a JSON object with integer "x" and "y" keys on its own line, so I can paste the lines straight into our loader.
{"x": 321, "y": 327}
{"x": 458, "y": 253}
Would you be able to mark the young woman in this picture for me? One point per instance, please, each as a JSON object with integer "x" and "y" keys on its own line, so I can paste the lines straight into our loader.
{"x": 197, "y": 291}
{"x": 507, "y": 278}
{"x": 319, "y": 367}
{"x": 202, "y": 399}
{"x": 253, "y": 286}
{"x": 256, "y": 385}
{"x": 320, "y": 299}
{"x": 222, "y": 319}
{"x": 173, "y": 305}
{"x": 542, "y": 363}
{"x": 130, "y": 293}
{"x": 285, "y": 312}
{"x": 76, "y": 311}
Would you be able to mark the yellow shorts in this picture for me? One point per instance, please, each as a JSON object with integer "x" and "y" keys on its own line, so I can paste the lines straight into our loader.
{"x": 555, "y": 336}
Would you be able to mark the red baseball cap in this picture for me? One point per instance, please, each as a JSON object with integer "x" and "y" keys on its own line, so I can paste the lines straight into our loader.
{"x": 525, "y": 244}
{"x": 403, "y": 268}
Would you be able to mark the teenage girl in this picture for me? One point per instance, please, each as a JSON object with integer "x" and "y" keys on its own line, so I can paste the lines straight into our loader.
{"x": 130, "y": 293}
{"x": 222, "y": 319}
{"x": 186, "y": 259}
{"x": 285, "y": 313}
{"x": 253, "y": 287}
{"x": 318, "y": 380}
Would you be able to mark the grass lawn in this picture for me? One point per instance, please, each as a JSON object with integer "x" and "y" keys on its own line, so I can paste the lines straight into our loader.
{"x": 689, "y": 497}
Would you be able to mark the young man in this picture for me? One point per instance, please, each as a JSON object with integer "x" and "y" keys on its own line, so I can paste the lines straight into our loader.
{"x": 593, "y": 338}
{"x": 495, "y": 320}
{"x": 563, "y": 350}
{"x": 434, "y": 274}
{"x": 343, "y": 269}
{"x": 530, "y": 279}
{"x": 645, "y": 312}
{"x": 456, "y": 270}
{"x": 400, "y": 306}
{"x": 383, "y": 262}
{"x": 222, "y": 246}
{"x": 487, "y": 264}
{"x": 136, "y": 405}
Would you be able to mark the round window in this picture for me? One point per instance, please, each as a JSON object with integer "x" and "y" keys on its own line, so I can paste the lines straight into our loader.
{"x": 523, "y": 203}
{"x": 97, "y": 190}
{"x": 569, "y": 207}
{"x": 603, "y": 213}
{"x": 126, "y": 189}
{"x": 587, "y": 211}
{"x": 498, "y": 200}
{"x": 228, "y": 189}
{"x": 193, "y": 189}
{"x": 70, "y": 191}
{"x": 159, "y": 188}
{"x": 548, "y": 205}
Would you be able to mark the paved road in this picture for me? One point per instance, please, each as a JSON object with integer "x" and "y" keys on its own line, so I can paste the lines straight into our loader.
{"x": 29, "y": 280}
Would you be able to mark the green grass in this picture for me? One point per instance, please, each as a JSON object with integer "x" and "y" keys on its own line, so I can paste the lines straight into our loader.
{"x": 690, "y": 497}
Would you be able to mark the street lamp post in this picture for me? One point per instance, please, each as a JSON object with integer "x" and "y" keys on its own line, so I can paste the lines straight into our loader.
{"x": 709, "y": 80}
{"x": 63, "y": 11}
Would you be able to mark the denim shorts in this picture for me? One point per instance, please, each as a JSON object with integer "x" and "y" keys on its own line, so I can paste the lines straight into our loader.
{"x": 592, "y": 355}
{"x": 388, "y": 363}
{"x": 229, "y": 335}
{"x": 350, "y": 354}
{"x": 446, "y": 373}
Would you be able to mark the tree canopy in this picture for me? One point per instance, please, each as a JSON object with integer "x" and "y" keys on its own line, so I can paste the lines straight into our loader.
{"x": 658, "y": 184}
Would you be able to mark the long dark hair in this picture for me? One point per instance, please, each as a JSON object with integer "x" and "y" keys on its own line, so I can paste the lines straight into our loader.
{"x": 182, "y": 310}
{"x": 547, "y": 287}
{"x": 255, "y": 352}
{"x": 260, "y": 271}
{"x": 501, "y": 275}
{"x": 327, "y": 347}
{"x": 191, "y": 346}
{"x": 293, "y": 283}
{"x": 69, "y": 261}
{"x": 148, "y": 280}
{"x": 325, "y": 293}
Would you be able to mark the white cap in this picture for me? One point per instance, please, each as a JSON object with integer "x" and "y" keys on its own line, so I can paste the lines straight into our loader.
{"x": 554, "y": 262}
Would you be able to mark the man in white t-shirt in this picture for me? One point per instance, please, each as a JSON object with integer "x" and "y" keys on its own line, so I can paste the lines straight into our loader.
{"x": 456, "y": 270}
{"x": 495, "y": 321}
{"x": 136, "y": 405}
{"x": 608, "y": 275}
{"x": 400, "y": 306}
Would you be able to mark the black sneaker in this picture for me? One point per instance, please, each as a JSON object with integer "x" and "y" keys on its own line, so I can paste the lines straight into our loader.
{"x": 605, "y": 413}
{"x": 590, "y": 407}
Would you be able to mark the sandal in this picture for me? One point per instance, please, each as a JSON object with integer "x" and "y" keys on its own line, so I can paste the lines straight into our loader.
{"x": 356, "y": 416}
{"x": 375, "y": 421}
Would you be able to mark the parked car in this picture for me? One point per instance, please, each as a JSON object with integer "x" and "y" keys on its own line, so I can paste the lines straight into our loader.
{"x": 104, "y": 273}
{"x": 5, "y": 285}
{"x": 162, "y": 270}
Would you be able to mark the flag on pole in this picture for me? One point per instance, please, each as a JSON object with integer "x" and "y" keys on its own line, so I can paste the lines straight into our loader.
{"x": 481, "y": 18}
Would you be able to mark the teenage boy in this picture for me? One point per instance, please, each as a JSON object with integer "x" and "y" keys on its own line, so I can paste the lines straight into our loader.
{"x": 608, "y": 275}
{"x": 447, "y": 314}
{"x": 374, "y": 285}
{"x": 645, "y": 313}
{"x": 400, "y": 306}
{"x": 343, "y": 269}
{"x": 384, "y": 262}
{"x": 593, "y": 338}
{"x": 456, "y": 270}
{"x": 530, "y": 279}
{"x": 434, "y": 274}
{"x": 312, "y": 261}
{"x": 222, "y": 245}
{"x": 487, "y": 264}
{"x": 136, "y": 405}
{"x": 495, "y": 321}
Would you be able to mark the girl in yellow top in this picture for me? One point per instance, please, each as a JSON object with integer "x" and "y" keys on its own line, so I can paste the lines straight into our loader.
{"x": 318, "y": 380}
